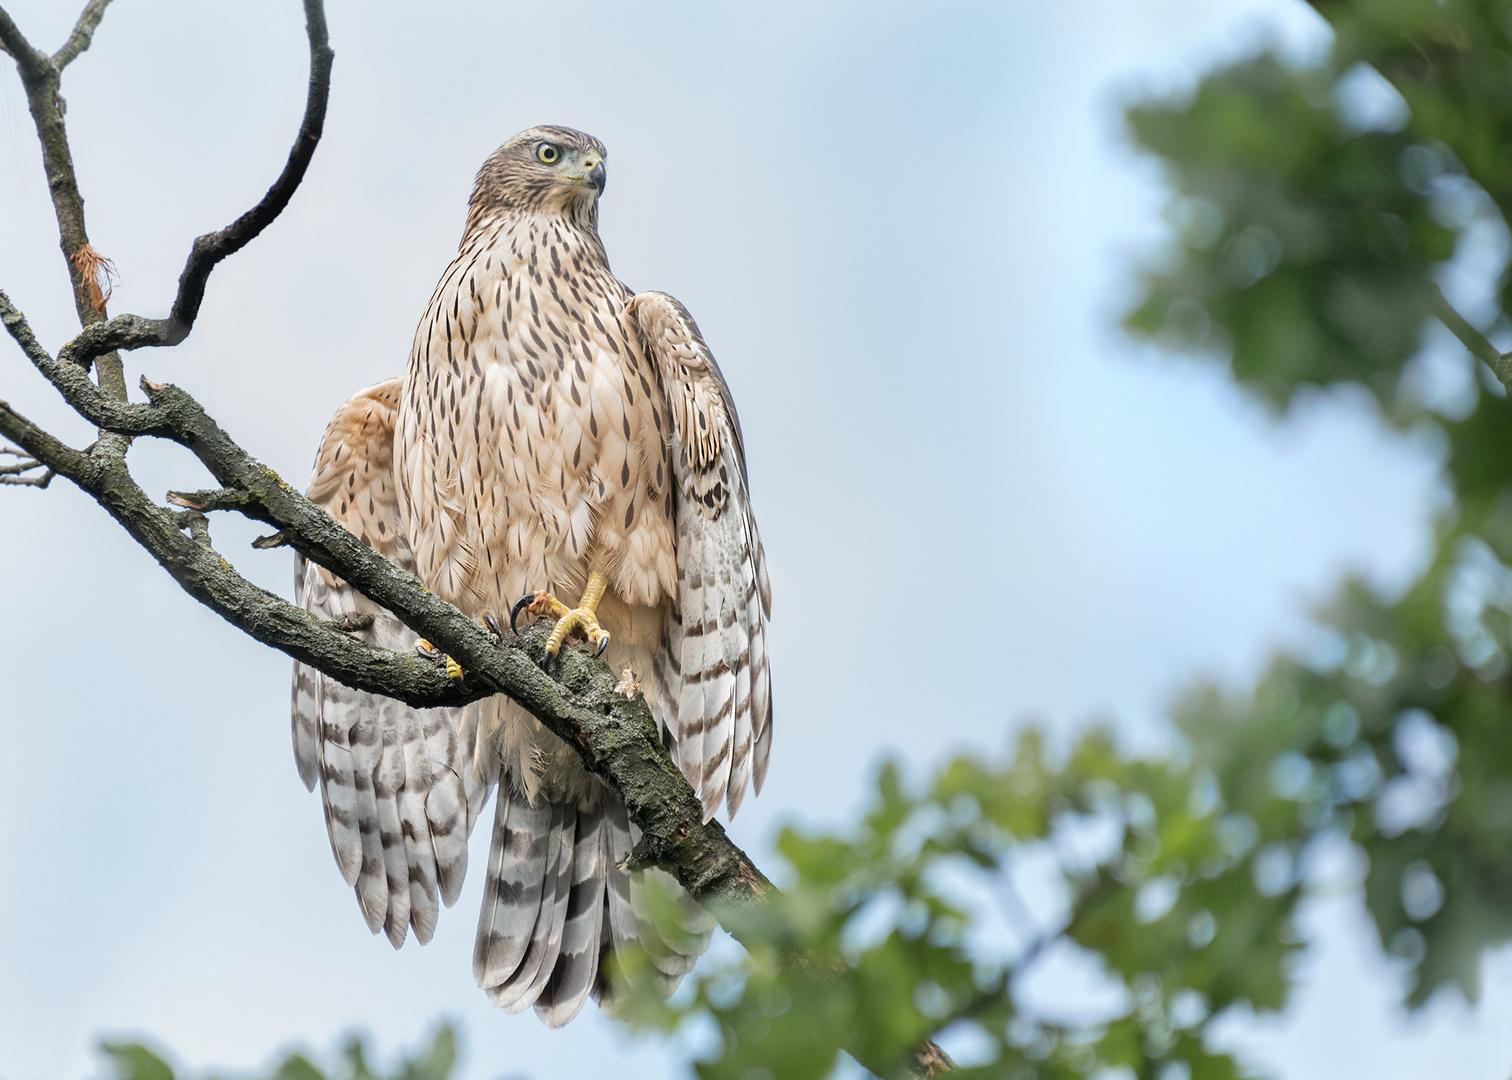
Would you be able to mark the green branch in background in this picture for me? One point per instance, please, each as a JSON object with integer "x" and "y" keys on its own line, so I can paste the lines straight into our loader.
{"x": 1480, "y": 347}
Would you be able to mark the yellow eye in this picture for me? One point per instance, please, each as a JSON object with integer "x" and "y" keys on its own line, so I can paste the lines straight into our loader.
{"x": 548, "y": 154}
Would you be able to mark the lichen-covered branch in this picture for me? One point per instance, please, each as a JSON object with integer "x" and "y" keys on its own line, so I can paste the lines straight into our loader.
{"x": 28, "y": 60}
{"x": 616, "y": 736}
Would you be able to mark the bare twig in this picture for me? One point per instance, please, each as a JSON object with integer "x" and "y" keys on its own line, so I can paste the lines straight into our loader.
{"x": 206, "y": 501}
{"x": 83, "y": 34}
{"x": 22, "y": 464}
{"x": 213, "y": 247}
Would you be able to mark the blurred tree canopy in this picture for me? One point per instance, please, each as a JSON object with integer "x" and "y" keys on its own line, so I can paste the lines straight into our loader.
{"x": 1319, "y": 215}
{"x": 132, "y": 1061}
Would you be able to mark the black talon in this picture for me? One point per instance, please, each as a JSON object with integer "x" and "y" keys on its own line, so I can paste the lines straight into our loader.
{"x": 492, "y": 624}
{"x": 602, "y": 646}
{"x": 428, "y": 654}
{"x": 514, "y": 612}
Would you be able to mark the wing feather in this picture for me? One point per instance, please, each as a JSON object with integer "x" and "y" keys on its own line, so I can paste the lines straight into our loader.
{"x": 711, "y": 673}
{"x": 396, "y": 783}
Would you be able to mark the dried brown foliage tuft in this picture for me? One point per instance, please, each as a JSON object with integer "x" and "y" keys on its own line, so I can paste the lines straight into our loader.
{"x": 97, "y": 275}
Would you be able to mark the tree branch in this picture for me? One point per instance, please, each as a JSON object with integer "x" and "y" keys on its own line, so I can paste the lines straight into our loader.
{"x": 40, "y": 76}
{"x": 16, "y": 473}
{"x": 83, "y": 34}
{"x": 1480, "y": 347}
{"x": 213, "y": 247}
{"x": 29, "y": 61}
{"x": 615, "y": 736}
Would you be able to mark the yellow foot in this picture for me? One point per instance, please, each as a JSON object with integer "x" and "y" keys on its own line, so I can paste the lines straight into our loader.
{"x": 454, "y": 669}
{"x": 582, "y": 619}
{"x": 430, "y": 652}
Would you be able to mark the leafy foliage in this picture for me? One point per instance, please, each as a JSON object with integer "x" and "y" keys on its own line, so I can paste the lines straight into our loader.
{"x": 132, "y": 1061}
{"x": 1311, "y": 233}
{"x": 1399, "y": 741}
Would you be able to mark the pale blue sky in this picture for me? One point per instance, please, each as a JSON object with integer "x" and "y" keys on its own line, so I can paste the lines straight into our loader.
{"x": 905, "y": 229}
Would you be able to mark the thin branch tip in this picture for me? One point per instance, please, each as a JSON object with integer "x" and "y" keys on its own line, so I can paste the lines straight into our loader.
{"x": 1473, "y": 339}
{"x": 83, "y": 34}
{"x": 218, "y": 499}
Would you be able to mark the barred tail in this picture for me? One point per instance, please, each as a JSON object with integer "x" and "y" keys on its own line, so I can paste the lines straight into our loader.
{"x": 557, "y": 904}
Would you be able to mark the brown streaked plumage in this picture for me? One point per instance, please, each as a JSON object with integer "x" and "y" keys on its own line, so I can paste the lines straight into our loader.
{"x": 550, "y": 426}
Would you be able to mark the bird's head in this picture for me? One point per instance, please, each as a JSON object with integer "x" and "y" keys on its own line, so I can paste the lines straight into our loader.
{"x": 550, "y": 169}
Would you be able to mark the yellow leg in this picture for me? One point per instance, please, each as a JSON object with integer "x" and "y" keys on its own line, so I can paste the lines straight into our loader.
{"x": 454, "y": 669}
{"x": 582, "y": 619}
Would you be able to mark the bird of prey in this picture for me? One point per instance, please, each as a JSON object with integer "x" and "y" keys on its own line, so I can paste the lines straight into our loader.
{"x": 553, "y": 435}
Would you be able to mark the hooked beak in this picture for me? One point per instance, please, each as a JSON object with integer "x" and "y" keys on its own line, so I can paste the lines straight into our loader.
{"x": 597, "y": 176}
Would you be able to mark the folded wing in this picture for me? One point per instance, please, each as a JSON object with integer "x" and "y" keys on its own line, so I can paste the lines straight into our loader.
{"x": 710, "y": 674}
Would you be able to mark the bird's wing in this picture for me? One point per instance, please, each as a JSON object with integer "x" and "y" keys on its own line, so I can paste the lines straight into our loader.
{"x": 397, "y": 786}
{"x": 710, "y": 673}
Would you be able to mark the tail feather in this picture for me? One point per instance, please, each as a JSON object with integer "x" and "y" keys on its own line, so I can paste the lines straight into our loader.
{"x": 676, "y": 946}
{"x": 337, "y": 782}
{"x": 690, "y": 712}
{"x": 305, "y": 713}
{"x": 558, "y": 905}
{"x": 419, "y": 853}
{"x": 372, "y": 879}
{"x": 512, "y": 893}
{"x": 578, "y": 962}
{"x": 386, "y": 784}
{"x": 521, "y": 989}
{"x": 666, "y": 678}
{"x": 623, "y": 925}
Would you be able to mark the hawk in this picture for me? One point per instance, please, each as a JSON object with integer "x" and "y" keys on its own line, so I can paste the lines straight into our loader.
{"x": 553, "y": 434}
